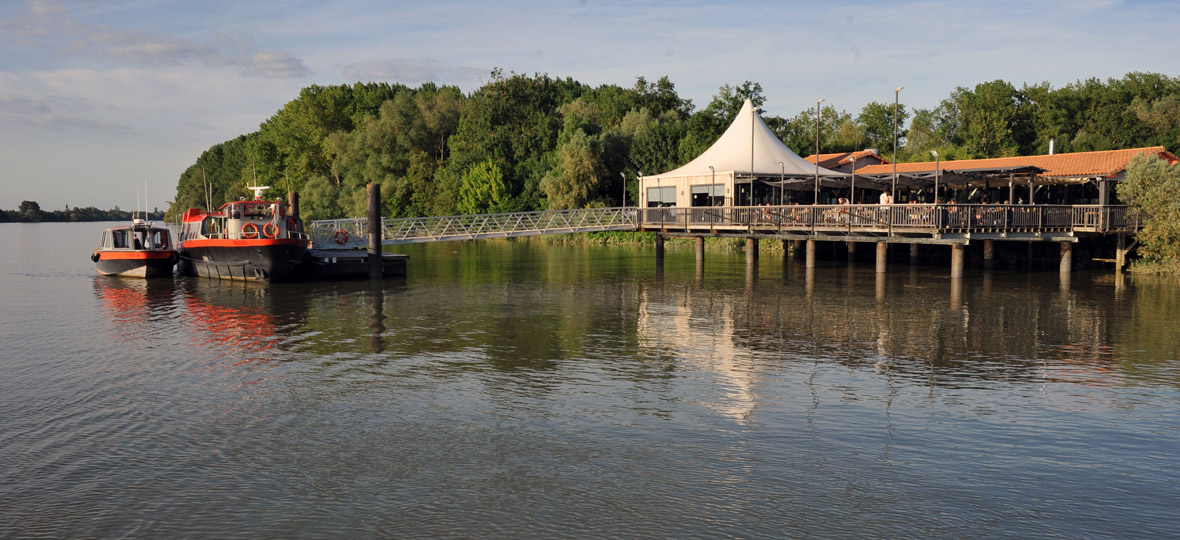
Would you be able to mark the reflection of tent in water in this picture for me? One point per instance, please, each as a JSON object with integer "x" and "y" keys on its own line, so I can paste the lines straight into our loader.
{"x": 674, "y": 325}
{"x": 746, "y": 166}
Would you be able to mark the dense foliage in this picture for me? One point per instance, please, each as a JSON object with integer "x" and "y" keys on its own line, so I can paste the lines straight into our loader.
{"x": 1152, "y": 184}
{"x": 525, "y": 143}
{"x": 31, "y": 212}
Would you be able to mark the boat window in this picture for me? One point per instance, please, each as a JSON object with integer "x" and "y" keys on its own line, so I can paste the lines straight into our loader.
{"x": 160, "y": 239}
{"x": 119, "y": 239}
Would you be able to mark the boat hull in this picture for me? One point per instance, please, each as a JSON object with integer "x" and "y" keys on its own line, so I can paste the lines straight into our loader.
{"x": 246, "y": 260}
{"x": 141, "y": 264}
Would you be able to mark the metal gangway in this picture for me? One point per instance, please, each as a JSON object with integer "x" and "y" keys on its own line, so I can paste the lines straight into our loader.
{"x": 353, "y": 233}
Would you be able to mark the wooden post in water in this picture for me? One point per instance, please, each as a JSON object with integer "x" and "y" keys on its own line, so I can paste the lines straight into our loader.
{"x": 1066, "y": 257}
{"x": 700, "y": 249}
{"x": 882, "y": 256}
{"x": 957, "y": 260}
{"x": 293, "y": 203}
{"x": 810, "y": 262}
{"x": 851, "y": 251}
{"x": 989, "y": 254}
{"x": 659, "y": 249}
{"x": 374, "y": 220}
{"x": 913, "y": 254}
{"x": 751, "y": 251}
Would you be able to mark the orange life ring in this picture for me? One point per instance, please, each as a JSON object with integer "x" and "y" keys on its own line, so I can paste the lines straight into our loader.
{"x": 340, "y": 236}
{"x": 270, "y": 230}
{"x": 249, "y": 231}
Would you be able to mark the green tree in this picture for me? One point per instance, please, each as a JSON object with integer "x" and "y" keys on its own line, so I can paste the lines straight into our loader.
{"x": 576, "y": 175}
{"x": 482, "y": 189}
{"x": 1151, "y": 184}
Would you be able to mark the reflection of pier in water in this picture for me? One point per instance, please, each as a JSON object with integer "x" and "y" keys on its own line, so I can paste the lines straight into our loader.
{"x": 930, "y": 330}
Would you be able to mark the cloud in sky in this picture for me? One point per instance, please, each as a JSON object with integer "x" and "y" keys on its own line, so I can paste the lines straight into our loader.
{"x": 94, "y": 95}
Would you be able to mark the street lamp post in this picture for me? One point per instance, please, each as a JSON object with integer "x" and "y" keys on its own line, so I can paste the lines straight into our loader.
{"x": 935, "y": 154}
{"x": 712, "y": 184}
{"x": 852, "y": 191}
{"x": 815, "y": 200}
{"x": 893, "y": 193}
{"x": 781, "y": 178}
{"x": 624, "y": 175}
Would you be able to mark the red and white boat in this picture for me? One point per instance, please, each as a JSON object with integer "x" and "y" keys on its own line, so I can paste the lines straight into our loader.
{"x": 246, "y": 240}
{"x": 137, "y": 250}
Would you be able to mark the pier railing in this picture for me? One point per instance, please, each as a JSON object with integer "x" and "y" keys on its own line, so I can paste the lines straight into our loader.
{"x": 898, "y": 218}
{"x": 810, "y": 219}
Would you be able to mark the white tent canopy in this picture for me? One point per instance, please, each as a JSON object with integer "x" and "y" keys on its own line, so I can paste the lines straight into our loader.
{"x": 748, "y": 140}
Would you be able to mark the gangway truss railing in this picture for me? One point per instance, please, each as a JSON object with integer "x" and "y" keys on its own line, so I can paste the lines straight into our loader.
{"x": 353, "y": 233}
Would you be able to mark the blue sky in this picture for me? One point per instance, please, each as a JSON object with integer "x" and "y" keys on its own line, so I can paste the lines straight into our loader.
{"x": 97, "y": 97}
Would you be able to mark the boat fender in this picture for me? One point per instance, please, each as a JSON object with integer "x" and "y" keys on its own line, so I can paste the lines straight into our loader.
{"x": 270, "y": 230}
{"x": 249, "y": 231}
{"x": 340, "y": 236}
{"x": 94, "y": 256}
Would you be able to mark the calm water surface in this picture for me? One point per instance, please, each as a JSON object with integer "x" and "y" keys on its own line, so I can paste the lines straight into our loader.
{"x": 513, "y": 389}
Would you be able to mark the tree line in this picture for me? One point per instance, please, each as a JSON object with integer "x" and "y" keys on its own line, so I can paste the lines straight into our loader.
{"x": 534, "y": 142}
{"x": 31, "y": 212}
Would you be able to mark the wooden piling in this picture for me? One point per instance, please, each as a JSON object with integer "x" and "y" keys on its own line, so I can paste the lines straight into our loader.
{"x": 373, "y": 191}
{"x": 659, "y": 248}
{"x": 851, "y": 248}
{"x": 810, "y": 262}
{"x": 913, "y": 254}
{"x": 882, "y": 256}
{"x": 700, "y": 249}
{"x": 989, "y": 254}
{"x": 293, "y": 203}
{"x": 751, "y": 251}
{"x": 1066, "y": 257}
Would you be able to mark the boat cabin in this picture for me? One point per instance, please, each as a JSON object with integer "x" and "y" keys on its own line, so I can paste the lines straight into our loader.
{"x": 242, "y": 220}
{"x": 139, "y": 236}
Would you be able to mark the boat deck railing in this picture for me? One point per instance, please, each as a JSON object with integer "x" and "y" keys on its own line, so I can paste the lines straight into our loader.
{"x": 876, "y": 220}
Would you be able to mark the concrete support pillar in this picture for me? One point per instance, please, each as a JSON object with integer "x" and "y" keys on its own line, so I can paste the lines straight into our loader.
{"x": 1066, "y": 257}
{"x": 989, "y": 254}
{"x": 659, "y": 248}
{"x": 882, "y": 256}
{"x": 700, "y": 249}
{"x": 373, "y": 191}
{"x": 1120, "y": 253}
{"x": 751, "y": 251}
{"x": 957, "y": 260}
{"x": 851, "y": 251}
{"x": 810, "y": 254}
{"x": 913, "y": 254}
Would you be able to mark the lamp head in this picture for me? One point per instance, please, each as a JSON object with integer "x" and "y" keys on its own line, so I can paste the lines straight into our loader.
{"x": 899, "y": 89}
{"x": 934, "y": 153}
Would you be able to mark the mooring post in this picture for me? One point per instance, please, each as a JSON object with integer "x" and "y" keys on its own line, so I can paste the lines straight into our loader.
{"x": 1066, "y": 257}
{"x": 751, "y": 251}
{"x": 913, "y": 254}
{"x": 957, "y": 260}
{"x": 851, "y": 251}
{"x": 659, "y": 248}
{"x": 882, "y": 256}
{"x": 700, "y": 249}
{"x": 293, "y": 203}
{"x": 374, "y": 193}
{"x": 989, "y": 254}
{"x": 810, "y": 262}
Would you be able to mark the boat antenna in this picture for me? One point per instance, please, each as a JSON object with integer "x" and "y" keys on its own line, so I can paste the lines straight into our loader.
{"x": 208, "y": 192}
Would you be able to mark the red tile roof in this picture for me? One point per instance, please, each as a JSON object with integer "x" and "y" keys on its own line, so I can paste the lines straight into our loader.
{"x": 831, "y": 161}
{"x": 1106, "y": 163}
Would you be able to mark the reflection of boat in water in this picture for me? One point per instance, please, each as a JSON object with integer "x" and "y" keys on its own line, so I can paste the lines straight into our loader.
{"x": 137, "y": 250}
{"x": 243, "y": 240}
{"x": 242, "y": 318}
{"x": 132, "y": 301}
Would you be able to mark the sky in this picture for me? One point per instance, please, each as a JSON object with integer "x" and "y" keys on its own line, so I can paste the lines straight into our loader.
{"x": 101, "y": 100}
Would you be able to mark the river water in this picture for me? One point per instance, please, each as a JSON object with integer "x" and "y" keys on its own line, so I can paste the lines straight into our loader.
{"x": 513, "y": 389}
